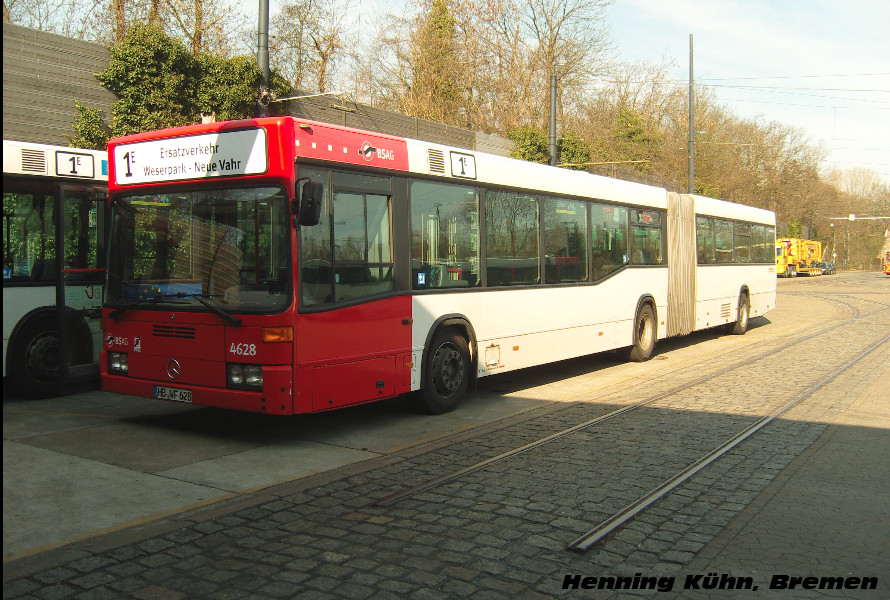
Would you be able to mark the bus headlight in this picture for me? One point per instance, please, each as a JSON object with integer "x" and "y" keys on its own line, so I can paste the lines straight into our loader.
{"x": 118, "y": 363}
{"x": 248, "y": 377}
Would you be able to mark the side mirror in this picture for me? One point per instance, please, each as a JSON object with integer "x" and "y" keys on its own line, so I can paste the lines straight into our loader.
{"x": 310, "y": 199}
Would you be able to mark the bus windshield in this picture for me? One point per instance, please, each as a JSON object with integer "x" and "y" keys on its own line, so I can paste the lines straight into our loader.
{"x": 216, "y": 249}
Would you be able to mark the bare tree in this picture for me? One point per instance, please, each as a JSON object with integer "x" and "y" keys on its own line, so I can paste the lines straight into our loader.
{"x": 65, "y": 17}
{"x": 107, "y": 21}
{"x": 490, "y": 63}
{"x": 203, "y": 26}
{"x": 307, "y": 41}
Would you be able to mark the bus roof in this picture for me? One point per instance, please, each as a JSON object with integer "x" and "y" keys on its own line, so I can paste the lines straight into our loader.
{"x": 27, "y": 158}
{"x": 304, "y": 138}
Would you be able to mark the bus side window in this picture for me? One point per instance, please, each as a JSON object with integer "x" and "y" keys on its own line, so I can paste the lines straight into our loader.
{"x": 29, "y": 236}
{"x": 565, "y": 240}
{"x": 742, "y": 243}
{"x": 723, "y": 241}
{"x": 609, "y": 235}
{"x": 511, "y": 239}
{"x": 444, "y": 235}
{"x": 704, "y": 234}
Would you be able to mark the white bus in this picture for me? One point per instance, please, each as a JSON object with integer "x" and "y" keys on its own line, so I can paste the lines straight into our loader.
{"x": 54, "y": 205}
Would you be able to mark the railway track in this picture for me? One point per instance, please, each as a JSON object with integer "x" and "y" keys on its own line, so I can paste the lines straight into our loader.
{"x": 609, "y": 525}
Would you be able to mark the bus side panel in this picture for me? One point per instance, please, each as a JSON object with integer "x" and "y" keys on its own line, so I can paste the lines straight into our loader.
{"x": 763, "y": 289}
{"x": 353, "y": 354}
{"x": 518, "y": 328}
{"x": 718, "y": 288}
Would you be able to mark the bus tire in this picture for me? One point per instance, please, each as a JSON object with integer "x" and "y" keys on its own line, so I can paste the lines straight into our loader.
{"x": 447, "y": 374}
{"x": 644, "y": 336}
{"x": 741, "y": 324}
{"x": 36, "y": 366}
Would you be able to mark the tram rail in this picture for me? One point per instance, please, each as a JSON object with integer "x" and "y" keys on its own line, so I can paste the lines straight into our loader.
{"x": 598, "y": 533}
{"x": 587, "y": 541}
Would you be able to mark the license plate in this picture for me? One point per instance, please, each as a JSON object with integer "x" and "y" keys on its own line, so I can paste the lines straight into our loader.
{"x": 174, "y": 394}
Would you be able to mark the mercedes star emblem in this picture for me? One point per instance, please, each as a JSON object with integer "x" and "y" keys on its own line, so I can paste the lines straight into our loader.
{"x": 174, "y": 369}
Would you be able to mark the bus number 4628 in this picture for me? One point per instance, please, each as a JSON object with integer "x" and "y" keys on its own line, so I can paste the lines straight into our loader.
{"x": 243, "y": 349}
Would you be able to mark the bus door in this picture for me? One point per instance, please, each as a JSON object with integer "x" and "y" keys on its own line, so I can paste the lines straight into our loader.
{"x": 82, "y": 280}
{"x": 359, "y": 329}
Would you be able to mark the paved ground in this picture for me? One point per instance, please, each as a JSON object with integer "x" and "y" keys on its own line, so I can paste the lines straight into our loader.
{"x": 807, "y": 497}
{"x": 826, "y": 514}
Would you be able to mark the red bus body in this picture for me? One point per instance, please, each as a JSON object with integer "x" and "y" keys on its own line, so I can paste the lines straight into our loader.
{"x": 358, "y": 353}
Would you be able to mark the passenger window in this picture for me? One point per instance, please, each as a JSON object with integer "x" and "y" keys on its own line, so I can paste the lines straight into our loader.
{"x": 762, "y": 244}
{"x": 511, "y": 239}
{"x": 742, "y": 243}
{"x": 646, "y": 239}
{"x": 646, "y": 246}
{"x": 444, "y": 236}
{"x": 565, "y": 240}
{"x": 704, "y": 234}
{"x": 609, "y": 236}
{"x": 29, "y": 233}
{"x": 723, "y": 241}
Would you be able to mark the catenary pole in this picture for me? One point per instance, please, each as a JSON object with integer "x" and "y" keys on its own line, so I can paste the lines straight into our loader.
{"x": 691, "y": 122}
{"x": 262, "y": 57}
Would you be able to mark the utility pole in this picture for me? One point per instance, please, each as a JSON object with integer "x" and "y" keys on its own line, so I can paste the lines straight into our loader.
{"x": 691, "y": 122}
{"x": 262, "y": 59}
{"x": 553, "y": 157}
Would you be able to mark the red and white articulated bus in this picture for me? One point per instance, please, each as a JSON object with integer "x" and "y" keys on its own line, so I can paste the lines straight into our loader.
{"x": 285, "y": 266}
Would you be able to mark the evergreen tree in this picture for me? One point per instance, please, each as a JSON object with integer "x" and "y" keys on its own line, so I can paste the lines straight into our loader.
{"x": 160, "y": 84}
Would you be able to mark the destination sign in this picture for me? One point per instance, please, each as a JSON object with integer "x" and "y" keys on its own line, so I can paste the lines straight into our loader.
{"x": 221, "y": 154}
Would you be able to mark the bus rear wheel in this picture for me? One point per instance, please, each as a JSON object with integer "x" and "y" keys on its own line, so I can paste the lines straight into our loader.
{"x": 447, "y": 373}
{"x": 741, "y": 324}
{"x": 644, "y": 336}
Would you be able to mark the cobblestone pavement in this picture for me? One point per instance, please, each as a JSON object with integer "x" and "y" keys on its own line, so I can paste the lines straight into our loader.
{"x": 502, "y": 532}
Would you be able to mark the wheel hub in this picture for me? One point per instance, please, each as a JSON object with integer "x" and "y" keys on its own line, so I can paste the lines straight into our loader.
{"x": 450, "y": 370}
{"x": 43, "y": 358}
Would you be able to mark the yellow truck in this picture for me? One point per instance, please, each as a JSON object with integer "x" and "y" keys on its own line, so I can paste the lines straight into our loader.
{"x": 795, "y": 257}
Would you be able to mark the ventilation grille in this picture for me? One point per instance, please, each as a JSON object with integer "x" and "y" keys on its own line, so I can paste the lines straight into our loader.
{"x": 33, "y": 161}
{"x": 436, "y": 160}
{"x": 174, "y": 331}
{"x": 725, "y": 310}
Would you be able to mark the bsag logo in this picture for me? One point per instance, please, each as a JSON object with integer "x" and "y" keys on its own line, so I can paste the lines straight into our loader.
{"x": 368, "y": 151}
{"x": 114, "y": 340}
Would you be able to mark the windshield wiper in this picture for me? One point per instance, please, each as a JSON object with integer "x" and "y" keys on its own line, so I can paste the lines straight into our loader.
{"x": 121, "y": 310}
{"x": 217, "y": 309}
{"x": 199, "y": 297}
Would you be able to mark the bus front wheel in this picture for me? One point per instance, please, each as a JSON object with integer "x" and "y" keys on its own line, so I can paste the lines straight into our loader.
{"x": 37, "y": 360}
{"x": 447, "y": 373}
{"x": 643, "y": 337}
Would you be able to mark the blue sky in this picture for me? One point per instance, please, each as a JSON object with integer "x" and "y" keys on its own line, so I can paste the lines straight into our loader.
{"x": 822, "y": 66}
